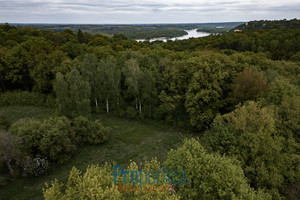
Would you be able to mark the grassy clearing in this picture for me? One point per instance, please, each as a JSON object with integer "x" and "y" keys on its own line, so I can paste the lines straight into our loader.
{"x": 130, "y": 140}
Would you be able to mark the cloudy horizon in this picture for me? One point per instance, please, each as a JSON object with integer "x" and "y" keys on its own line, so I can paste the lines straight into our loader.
{"x": 145, "y": 11}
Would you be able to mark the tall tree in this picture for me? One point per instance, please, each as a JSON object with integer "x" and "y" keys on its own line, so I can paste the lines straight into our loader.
{"x": 133, "y": 80}
{"x": 108, "y": 81}
{"x": 72, "y": 94}
{"x": 80, "y": 92}
{"x": 248, "y": 85}
{"x": 88, "y": 68}
{"x": 62, "y": 95}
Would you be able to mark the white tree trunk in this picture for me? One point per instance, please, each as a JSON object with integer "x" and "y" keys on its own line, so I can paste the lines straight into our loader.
{"x": 140, "y": 107}
{"x": 136, "y": 103}
{"x": 107, "y": 106}
{"x": 96, "y": 102}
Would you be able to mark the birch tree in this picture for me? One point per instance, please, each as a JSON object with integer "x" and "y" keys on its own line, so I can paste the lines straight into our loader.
{"x": 88, "y": 68}
{"x": 108, "y": 81}
{"x": 133, "y": 78}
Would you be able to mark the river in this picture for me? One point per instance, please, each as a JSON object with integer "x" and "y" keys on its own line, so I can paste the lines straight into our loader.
{"x": 192, "y": 33}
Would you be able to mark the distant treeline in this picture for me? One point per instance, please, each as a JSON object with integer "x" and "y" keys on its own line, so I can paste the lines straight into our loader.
{"x": 267, "y": 24}
{"x": 146, "y": 31}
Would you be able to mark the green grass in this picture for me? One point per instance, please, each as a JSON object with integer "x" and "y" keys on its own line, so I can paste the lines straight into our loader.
{"x": 129, "y": 140}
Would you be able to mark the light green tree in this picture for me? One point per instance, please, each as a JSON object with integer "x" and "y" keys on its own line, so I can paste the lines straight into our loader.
{"x": 72, "y": 94}
{"x": 209, "y": 176}
{"x": 108, "y": 82}
{"x": 88, "y": 68}
{"x": 133, "y": 80}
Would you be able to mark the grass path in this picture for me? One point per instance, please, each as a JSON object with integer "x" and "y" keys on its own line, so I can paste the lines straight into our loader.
{"x": 130, "y": 140}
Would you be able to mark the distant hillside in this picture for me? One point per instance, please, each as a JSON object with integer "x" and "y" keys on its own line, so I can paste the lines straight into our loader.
{"x": 265, "y": 24}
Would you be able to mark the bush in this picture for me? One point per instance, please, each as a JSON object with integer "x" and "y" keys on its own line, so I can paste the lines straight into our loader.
{"x": 58, "y": 140}
{"x": 30, "y": 134}
{"x": 89, "y": 132}
{"x": 81, "y": 127}
{"x": 52, "y": 138}
{"x": 24, "y": 98}
{"x": 98, "y": 133}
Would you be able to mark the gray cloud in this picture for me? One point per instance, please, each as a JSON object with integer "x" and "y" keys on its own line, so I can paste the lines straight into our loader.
{"x": 144, "y": 11}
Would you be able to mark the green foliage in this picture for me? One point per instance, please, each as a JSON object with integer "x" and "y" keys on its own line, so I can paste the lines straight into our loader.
{"x": 79, "y": 91}
{"x": 204, "y": 94}
{"x": 72, "y": 49}
{"x": 52, "y": 138}
{"x": 56, "y": 138}
{"x": 280, "y": 89}
{"x": 108, "y": 83}
{"x": 72, "y": 95}
{"x": 266, "y": 161}
{"x": 31, "y": 134}
{"x": 267, "y": 24}
{"x": 24, "y": 98}
{"x": 207, "y": 176}
{"x": 57, "y": 141}
{"x": 89, "y": 132}
{"x": 97, "y": 183}
{"x": 81, "y": 127}
{"x": 221, "y": 137}
{"x": 98, "y": 133}
{"x": 289, "y": 120}
{"x": 186, "y": 83}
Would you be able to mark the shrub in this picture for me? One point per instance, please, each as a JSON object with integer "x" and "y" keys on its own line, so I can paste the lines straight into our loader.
{"x": 98, "y": 133}
{"x": 58, "y": 140}
{"x": 52, "y": 138}
{"x": 30, "y": 134}
{"x": 89, "y": 132}
{"x": 81, "y": 127}
{"x": 24, "y": 98}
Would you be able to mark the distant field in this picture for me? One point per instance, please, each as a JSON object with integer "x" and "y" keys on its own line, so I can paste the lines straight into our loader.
{"x": 130, "y": 140}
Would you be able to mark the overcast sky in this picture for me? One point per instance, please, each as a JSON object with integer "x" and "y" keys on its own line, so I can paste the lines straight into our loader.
{"x": 145, "y": 11}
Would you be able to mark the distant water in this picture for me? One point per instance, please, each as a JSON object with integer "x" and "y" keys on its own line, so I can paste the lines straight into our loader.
{"x": 192, "y": 33}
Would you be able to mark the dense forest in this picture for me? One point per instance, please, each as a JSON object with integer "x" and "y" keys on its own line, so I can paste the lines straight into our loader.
{"x": 235, "y": 96}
